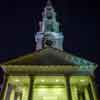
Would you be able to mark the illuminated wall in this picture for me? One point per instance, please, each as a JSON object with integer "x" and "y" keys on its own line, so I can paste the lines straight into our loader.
{"x": 82, "y": 88}
{"x": 49, "y": 88}
{"x": 17, "y": 88}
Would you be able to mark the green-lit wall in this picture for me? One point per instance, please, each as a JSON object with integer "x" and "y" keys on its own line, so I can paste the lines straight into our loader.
{"x": 18, "y": 82}
{"x": 50, "y": 88}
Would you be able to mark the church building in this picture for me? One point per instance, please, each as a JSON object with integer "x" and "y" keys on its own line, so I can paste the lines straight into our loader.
{"x": 49, "y": 73}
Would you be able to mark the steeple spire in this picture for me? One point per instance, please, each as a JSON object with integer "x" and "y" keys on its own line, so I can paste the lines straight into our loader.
{"x": 49, "y": 22}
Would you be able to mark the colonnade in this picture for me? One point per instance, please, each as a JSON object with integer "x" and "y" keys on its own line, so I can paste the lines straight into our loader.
{"x": 22, "y": 88}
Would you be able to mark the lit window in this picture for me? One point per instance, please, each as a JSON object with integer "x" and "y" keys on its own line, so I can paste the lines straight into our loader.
{"x": 42, "y": 80}
{"x": 57, "y": 80}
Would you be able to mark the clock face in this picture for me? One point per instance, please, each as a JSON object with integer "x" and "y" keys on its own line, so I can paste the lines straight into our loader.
{"x": 48, "y": 42}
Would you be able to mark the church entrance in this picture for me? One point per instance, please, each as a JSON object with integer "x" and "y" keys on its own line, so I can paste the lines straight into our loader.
{"x": 49, "y": 88}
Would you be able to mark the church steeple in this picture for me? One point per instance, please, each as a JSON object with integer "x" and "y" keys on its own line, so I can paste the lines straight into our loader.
{"x": 49, "y": 29}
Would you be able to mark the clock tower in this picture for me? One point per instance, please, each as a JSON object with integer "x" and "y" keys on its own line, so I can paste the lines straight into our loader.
{"x": 49, "y": 33}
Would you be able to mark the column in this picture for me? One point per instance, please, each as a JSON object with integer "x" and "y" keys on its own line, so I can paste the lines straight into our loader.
{"x": 86, "y": 94}
{"x": 68, "y": 90}
{"x": 93, "y": 89}
{"x": 9, "y": 90}
{"x": 31, "y": 88}
{"x": 18, "y": 96}
{"x": 74, "y": 92}
{"x": 90, "y": 92}
{"x": 81, "y": 93}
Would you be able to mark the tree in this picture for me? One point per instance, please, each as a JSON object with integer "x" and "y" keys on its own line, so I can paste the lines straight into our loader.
{"x": 1, "y": 75}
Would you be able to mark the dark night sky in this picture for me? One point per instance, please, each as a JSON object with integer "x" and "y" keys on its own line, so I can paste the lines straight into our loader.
{"x": 18, "y": 22}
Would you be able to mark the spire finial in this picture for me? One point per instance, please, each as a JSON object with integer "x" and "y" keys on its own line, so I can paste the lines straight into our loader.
{"x": 49, "y": 3}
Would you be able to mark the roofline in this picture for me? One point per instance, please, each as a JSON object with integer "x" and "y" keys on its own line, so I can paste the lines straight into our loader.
{"x": 36, "y": 52}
